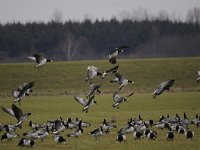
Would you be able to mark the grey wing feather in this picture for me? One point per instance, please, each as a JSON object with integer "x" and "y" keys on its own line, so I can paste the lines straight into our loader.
{"x": 81, "y": 100}
{"x": 9, "y": 111}
{"x": 31, "y": 58}
{"x": 17, "y": 111}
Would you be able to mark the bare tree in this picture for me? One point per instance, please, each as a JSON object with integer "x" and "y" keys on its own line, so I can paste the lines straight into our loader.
{"x": 163, "y": 15}
{"x": 140, "y": 14}
{"x": 124, "y": 15}
{"x": 193, "y": 15}
{"x": 57, "y": 16}
{"x": 69, "y": 46}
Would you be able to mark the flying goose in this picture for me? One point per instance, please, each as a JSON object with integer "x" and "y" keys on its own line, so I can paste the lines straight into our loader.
{"x": 92, "y": 89}
{"x": 118, "y": 100}
{"x": 17, "y": 113}
{"x": 22, "y": 91}
{"x": 114, "y": 53}
{"x": 121, "y": 80}
{"x": 162, "y": 87}
{"x": 87, "y": 103}
{"x": 198, "y": 78}
{"x": 93, "y": 71}
{"x": 39, "y": 59}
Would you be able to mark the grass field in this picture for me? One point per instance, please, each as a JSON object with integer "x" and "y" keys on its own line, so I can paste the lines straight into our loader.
{"x": 58, "y": 82}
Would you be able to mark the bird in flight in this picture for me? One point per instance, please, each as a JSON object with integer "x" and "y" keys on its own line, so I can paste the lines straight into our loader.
{"x": 162, "y": 87}
{"x": 114, "y": 53}
{"x": 39, "y": 59}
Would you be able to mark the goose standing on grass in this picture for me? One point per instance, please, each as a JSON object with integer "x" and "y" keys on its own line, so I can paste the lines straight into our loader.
{"x": 118, "y": 100}
{"x": 26, "y": 143}
{"x": 121, "y": 80}
{"x": 23, "y": 91}
{"x": 17, "y": 113}
{"x": 114, "y": 53}
{"x": 189, "y": 134}
{"x": 107, "y": 126}
{"x": 198, "y": 78}
{"x": 96, "y": 132}
{"x": 58, "y": 127}
{"x": 77, "y": 132}
{"x": 121, "y": 137}
{"x": 162, "y": 87}
{"x": 39, "y": 59}
{"x": 137, "y": 135}
{"x": 9, "y": 136}
{"x": 59, "y": 139}
{"x": 170, "y": 135}
{"x": 87, "y": 103}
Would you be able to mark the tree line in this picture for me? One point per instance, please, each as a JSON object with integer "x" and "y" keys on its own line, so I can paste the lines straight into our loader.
{"x": 88, "y": 39}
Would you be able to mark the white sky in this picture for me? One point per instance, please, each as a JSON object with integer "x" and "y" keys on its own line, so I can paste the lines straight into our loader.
{"x": 42, "y": 10}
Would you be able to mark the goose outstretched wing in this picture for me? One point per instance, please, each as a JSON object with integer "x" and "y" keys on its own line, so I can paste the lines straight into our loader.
{"x": 81, "y": 100}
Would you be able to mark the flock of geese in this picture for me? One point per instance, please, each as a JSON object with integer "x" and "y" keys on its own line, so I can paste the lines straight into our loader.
{"x": 138, "y": 127}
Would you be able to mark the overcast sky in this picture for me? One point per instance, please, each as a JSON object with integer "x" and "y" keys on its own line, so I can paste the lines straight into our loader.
{"x": 42, "y": 10}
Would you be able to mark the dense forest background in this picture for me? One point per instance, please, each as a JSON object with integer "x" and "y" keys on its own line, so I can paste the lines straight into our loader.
{"x": 159, "y": 36}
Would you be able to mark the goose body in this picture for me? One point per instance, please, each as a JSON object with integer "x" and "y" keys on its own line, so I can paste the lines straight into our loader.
{"x": 114, "y": 53}
{"x": 189, "y": 134}
{"x": 162, "y": 87}
{"x": 170, "y": 136}
{"x": 22, "y": 91}
{"x": 77, "y": 132}
{"x": 94, "y": 88}
{"x": 121, "y": 137}
{"x": 87, "y": 103}
{"x": 39, "y": 59}
{"x": 93, "y": 71}
{"x": 17, "y": 113}
{"x": 59, "y": 139}
{"x": 96, "y": 132}
{"x": 9, "y": 136}
{"x": 121, "y": 80}
{"x": 118, "y": 99}
{"x": 26, "y": 143}
{"x": 137, "y": 135}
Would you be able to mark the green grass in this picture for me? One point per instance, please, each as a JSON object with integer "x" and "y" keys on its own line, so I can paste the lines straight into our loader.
{"x": 52, "y": 107}
{"x": 69, "y": 77}
{"x": 59, "y": 81}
